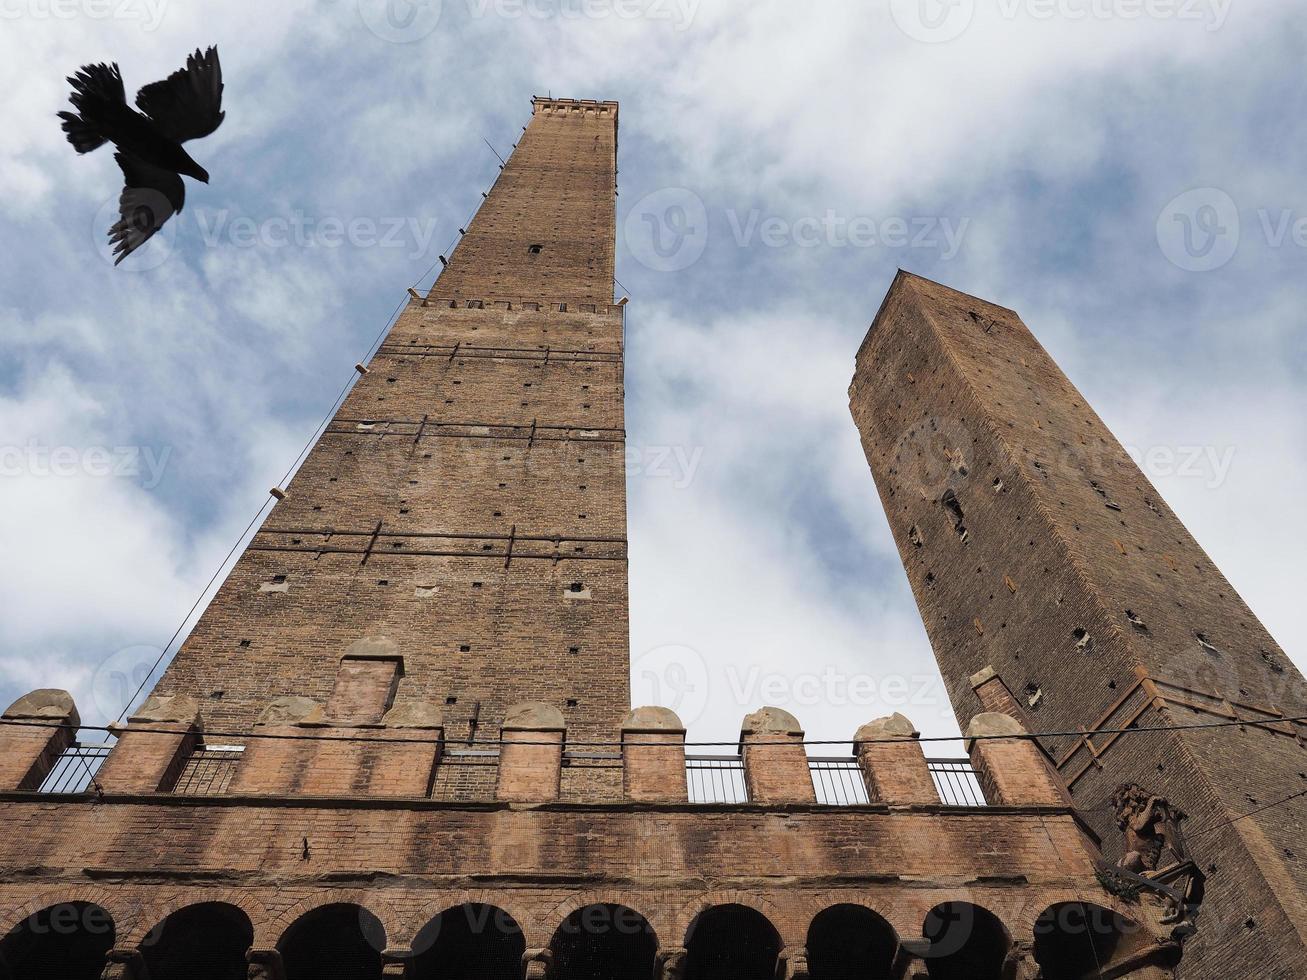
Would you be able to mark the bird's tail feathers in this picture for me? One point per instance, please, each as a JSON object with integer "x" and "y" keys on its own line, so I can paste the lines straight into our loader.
{"x": 96, "y": 88}
{"x": 81, "y": 134}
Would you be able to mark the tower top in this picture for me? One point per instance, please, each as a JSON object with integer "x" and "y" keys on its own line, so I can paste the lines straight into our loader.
{"x": 549, "y": 104}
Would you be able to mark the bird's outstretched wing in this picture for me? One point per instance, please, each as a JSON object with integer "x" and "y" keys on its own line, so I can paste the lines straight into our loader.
{"x": 188, "y": 103}
{"x": 150, "y": 196}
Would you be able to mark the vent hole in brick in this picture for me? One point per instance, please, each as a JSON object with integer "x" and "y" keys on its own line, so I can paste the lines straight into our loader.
{"x": 535, "y": 249}
{"x": 572, "y": 702}
{"x": 451, "y": 700}
{"x": 954, "y": 508}
{"x": 464, "y": 649}
{"x": 244, "y": 644}
{"x": 1084, "y": 642}
{"x": 573, "y": 650}
{"x": 576, "y": 587}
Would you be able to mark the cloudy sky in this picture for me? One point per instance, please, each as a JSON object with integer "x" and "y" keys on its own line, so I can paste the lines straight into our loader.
{"x": 1127, "y": 174}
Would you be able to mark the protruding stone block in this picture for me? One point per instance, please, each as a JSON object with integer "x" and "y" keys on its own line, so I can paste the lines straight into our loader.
{"x": 152, "y": 750}
{"x": 892, "y": 762}
{"x": 1009, "y": 765}
{"x": 653, "y": 756}
{"x": 46, "y": 723}
{"x": 531, "y": 756}
{"x": 775, "y": 763}
{"x": 366, "y": 682}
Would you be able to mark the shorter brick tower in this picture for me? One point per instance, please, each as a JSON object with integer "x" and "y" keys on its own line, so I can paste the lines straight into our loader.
{"x": 1058, "y": 587}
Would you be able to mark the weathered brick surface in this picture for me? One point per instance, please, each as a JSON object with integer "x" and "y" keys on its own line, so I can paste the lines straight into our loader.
{"x": 1072, "y": 576}
{"x": 407, "y": 861}
{"x": 468, "y": 500}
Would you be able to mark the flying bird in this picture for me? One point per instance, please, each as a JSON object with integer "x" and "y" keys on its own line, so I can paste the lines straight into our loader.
{"x": 184, "y": 106}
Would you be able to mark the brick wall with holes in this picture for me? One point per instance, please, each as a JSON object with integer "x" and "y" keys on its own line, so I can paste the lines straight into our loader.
{"x": 468, "y": 499}
{"x": 1034, "y": 544}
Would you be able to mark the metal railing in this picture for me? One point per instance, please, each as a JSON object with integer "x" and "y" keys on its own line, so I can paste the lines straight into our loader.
{"x": 956, "y": 782}
{"x": 209, "y": 770}
{"x": 838, "y": 781}
{"x": 716, "y": 779}
{"x": 73, "y": 771}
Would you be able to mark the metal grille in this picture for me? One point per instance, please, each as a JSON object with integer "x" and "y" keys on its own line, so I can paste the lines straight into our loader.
{"x": 956, "y": 782}
{"x": 716, "y": 779}
{"x": 209, "y": 770}
{"x": 72, "y": 772}
{"x": 838, "y": 781}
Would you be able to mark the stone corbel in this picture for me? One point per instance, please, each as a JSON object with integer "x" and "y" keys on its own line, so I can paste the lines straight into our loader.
{"x": 792, "y": 964}
{"x": 124, "y": 964}
{"x": 265, "y": 964}
{"x": 671, "y": 963}
{"x": 394, "y": 963}
{"x": 536, "y": 963}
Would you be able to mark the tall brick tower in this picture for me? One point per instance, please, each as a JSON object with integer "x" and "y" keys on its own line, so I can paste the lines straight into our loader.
{"x": 466, "y": 506}
{"x": 398, "y": 743}
{"x": 1057, "y": 586}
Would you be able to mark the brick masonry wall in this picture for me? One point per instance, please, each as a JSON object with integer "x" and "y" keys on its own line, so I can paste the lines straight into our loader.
{"x": 468, "y": 499}
{"x": 1030, "y": 539}
{"x": 141, "y": 858}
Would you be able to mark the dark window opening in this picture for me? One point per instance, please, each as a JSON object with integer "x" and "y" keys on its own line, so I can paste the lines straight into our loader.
{"x": 604, "y": 942}
{"x": 966, "y": 943}
{"x": 849, "y": 942}
{"x": 335, "y": 942}
{"x": 479, "y": 941}
{"x": 200, "y": 942}
{"x": 731, "y": 941}
{"x": 63, "y": 942}
{"x": 1073, "y": 940}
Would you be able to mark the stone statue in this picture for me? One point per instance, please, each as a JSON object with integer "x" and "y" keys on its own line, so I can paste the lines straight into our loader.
{"x": 1151, "y": 826}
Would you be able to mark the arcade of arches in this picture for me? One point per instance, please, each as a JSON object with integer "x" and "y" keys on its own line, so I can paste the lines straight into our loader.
{"x": 210, "y": 941}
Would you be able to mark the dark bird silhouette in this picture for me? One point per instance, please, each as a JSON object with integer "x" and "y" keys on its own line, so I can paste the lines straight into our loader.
{"x": 184, "y": 106}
